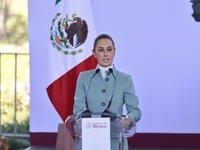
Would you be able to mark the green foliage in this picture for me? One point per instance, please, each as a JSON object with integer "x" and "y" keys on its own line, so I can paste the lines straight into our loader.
{"x": 57, "y": 1}
{"x": 8, "y": 93}
{"x": 22, "y": 128}
{"x": 18, "y": 143}
{"x": 16, "y": 41}
{"x": 17, "y": 30}
{"x": 22, "y": 98}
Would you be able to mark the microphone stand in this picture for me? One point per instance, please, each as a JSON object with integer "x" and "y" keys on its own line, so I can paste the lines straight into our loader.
{"x": 86, "y": 113}
{"x": 110, "y": 114}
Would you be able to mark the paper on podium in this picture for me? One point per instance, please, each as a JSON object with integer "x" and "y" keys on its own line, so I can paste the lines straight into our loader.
{"x": 96, "y": 133}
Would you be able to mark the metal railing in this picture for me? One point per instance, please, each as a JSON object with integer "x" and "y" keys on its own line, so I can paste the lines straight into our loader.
{"x": 12, "y": 61}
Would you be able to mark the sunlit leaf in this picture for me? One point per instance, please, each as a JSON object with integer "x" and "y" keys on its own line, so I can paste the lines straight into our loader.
{"x": 73, "y": 53}
{"x": 58, "y": 48}
{"x": 57, "y": 1}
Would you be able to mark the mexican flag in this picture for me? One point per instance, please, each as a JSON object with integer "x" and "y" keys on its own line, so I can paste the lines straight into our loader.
{"x": 71, "y": 39}
{"x": 61, "y": 35}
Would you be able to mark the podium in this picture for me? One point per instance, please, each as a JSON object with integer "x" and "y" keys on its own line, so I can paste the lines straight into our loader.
{"x": 117, "y": 129}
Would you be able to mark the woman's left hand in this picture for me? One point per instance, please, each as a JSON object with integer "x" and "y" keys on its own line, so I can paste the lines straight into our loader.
{"x": 126, "y": 122}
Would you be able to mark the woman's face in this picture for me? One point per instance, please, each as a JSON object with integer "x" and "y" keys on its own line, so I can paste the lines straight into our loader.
{"x": 104, "y": 52}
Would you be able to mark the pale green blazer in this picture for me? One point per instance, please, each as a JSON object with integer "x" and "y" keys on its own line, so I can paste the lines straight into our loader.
{"x": 101, "y": 90}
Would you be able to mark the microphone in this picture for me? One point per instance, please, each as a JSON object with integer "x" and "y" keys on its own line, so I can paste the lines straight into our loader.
{"x": 86, "y": 113}
{"x": 110, "y": 102}
{"x": 107, "y": 112}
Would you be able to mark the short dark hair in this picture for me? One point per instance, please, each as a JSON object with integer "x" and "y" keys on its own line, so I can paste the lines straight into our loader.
{"x": 103, "y": 36}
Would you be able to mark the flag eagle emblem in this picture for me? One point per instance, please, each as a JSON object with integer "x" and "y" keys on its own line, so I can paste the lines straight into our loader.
{"x": 67, "y": 34}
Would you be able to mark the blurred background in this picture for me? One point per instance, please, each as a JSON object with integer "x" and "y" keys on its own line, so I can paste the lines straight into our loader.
{"x": 154, "y": 30}
{"x": 14, "y": 73}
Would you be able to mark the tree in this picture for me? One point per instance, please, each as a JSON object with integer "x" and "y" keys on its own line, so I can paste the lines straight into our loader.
{"x": 4, "y": 12}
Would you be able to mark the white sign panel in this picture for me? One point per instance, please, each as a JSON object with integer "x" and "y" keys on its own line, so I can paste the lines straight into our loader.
{"x": 96, "y": 133}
